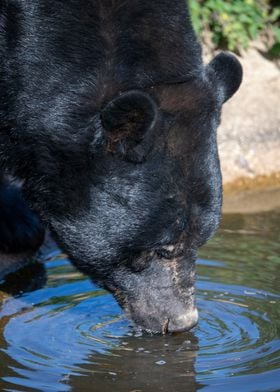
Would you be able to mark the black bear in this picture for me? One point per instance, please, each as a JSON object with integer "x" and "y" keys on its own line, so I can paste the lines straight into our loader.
{"x": 108, "y": 117}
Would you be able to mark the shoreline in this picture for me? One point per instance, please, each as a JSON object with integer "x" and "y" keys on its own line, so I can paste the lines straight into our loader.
{"x": 252, "y": 201}
{"x": 255, "y": 184}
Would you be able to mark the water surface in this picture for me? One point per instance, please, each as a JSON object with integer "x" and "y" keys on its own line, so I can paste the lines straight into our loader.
{"x": 59, "y": 332}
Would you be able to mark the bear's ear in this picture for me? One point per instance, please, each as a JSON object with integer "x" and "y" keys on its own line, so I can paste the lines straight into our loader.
{"x": 227, "y": 73}
{"x": 127, "y": 120}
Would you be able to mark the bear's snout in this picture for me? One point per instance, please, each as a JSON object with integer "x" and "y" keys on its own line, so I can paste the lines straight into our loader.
{"x": 159, "y": 298}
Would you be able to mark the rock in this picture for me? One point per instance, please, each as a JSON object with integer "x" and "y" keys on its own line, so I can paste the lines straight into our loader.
{"x": 249, "y": 136}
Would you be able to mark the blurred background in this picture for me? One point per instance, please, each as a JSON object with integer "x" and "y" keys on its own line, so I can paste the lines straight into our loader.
{"x": 249, "y": 136}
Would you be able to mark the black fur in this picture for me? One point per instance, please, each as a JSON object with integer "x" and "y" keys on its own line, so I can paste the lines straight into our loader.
{"x": 20, "y": 229}
{"x": 109, "y": 116}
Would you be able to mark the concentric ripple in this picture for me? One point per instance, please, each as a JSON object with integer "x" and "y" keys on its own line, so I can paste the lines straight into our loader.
{"x": 69, "y": 335}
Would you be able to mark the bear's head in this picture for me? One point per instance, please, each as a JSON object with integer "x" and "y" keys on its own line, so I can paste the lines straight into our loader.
{"x": 132, "y": 187}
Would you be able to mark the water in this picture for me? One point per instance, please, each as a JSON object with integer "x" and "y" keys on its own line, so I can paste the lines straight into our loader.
{"x": 58, "y": 332}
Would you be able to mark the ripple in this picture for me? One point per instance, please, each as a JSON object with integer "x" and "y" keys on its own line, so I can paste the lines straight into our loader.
{"x": 69, "y": 334}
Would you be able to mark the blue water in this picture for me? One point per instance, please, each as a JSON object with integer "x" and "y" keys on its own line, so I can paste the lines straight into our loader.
{"x": 70, "y": 335}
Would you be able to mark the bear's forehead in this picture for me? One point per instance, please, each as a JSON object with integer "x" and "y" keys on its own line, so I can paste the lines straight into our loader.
{"x": 191, "y": 95}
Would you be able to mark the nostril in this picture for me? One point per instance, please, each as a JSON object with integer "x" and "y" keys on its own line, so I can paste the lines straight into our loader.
{"x": 184, "y": 322}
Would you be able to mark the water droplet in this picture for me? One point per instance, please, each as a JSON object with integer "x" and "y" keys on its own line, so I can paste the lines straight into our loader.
{"x": 160, "y": 362}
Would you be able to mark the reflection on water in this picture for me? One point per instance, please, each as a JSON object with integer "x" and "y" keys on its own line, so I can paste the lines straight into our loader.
{"x": 58, "y": 332}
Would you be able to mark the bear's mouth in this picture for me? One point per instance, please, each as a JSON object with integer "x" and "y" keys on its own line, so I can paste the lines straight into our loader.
{"x": 159, "y": 298}
{"x": 177, "y": 318}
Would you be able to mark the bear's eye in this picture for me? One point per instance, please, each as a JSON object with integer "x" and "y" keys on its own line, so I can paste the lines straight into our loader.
{"x": 170, "y": 251}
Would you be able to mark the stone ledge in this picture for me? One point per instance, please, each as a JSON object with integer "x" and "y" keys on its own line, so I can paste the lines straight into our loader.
{"x": 249, "y": 135}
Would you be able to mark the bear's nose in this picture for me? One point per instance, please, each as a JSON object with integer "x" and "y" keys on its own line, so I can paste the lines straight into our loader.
{"x": 182, "y": 323}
